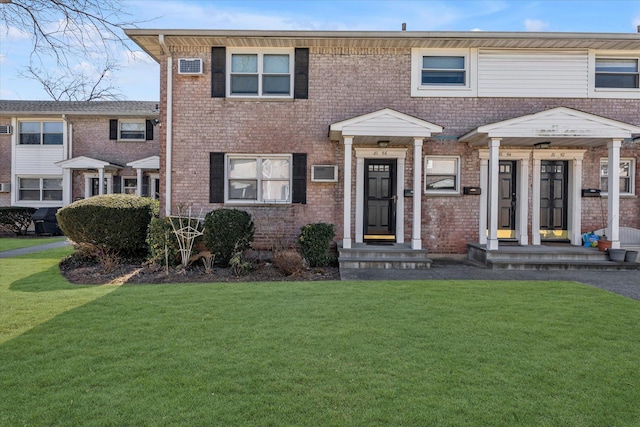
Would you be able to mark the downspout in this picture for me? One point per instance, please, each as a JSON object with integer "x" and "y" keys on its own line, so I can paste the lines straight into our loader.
{"x": 168, "y": 127}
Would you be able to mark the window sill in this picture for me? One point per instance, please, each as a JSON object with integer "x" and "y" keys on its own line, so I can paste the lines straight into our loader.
{"x": 441, "y": 193}
{"x": 254, "y": 203}
{"x": 622, "y": 196}
{"x": 259, "y": 98}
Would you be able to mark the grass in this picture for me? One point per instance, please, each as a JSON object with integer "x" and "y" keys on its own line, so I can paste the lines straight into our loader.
{"x": 10, "y": 243}
{"x": 445, "y": 353}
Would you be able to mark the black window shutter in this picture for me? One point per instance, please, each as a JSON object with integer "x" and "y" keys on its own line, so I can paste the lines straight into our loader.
{"x": 149, "y": 130}
{"x": 145, "y": 185}
{"x": 301, "y": 74}
{"x": 216, "y": 177}
{"x": 299, "y": 184}
{"x": 117, "y": 184}
{"x": 218, "y": 70}
{"x": 113, "y": 129}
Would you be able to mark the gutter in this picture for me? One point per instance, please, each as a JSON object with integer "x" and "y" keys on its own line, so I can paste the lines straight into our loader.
{"x": 169, "y": 127}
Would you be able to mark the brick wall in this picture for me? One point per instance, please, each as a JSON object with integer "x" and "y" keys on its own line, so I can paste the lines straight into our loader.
{"x": 344, "y": 83}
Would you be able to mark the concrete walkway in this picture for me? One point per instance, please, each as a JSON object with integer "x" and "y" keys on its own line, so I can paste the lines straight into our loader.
{"x": 33, "y": 249}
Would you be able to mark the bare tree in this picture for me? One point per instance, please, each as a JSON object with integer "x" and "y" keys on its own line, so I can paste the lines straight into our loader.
{"x": 70, "y": 32}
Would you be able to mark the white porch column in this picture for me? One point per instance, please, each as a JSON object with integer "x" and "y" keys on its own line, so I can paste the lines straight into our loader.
{"x": 613, "y": 221}
{"x": 100, "y": 181}
{"x": 482, "y": 220}
{"x": 359, "y": 220}
{"x": 400, "y": 200}
{"x": 67, "y": 187}
{"x": 348, "y": 146}
{"x": 139, "y": 182}
{"x": 522, "y": 222}
{"x": 416, "y": 227}
{"x": 494, "y": 163}
{"x": 575, "y": 207}
{"x": 535, "y": 202}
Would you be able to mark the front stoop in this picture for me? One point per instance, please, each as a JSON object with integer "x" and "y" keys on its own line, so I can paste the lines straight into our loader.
{"x": 543, "y": 257}
{"x": 395, "y": 256}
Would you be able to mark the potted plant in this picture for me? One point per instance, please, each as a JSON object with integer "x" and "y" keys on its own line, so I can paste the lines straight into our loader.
{"x": 604, "y": 244}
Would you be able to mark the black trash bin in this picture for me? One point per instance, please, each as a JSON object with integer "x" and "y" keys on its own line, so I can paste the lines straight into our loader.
{"x": 45, "y": 222}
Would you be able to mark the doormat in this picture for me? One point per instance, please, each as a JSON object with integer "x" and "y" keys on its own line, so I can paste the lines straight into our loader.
{"x": 381, "y": 243}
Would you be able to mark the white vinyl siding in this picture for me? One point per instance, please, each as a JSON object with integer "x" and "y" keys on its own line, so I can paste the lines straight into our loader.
{"x": 39, "y": 159}
{"x": 514, "y": 73}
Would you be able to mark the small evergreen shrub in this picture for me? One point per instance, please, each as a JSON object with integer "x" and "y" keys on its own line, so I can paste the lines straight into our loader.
{"x": 227, "y": 232}
{"x": 314, "y": 241}
{"x": 15, "y": 219}
{"x": 162, "y": 242}
{"x": 115, "y": 224}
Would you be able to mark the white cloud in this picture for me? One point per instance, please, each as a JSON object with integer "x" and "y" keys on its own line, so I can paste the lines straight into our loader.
{"x": 14, "y": 34}
{"x": 535, "y": 25}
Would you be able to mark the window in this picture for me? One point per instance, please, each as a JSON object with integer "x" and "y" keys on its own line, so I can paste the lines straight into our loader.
{"x": 257, "y": 74}
{"x": 619, "y": 73}
{"x": 442, "y": 175}
{"x": 443, "y": 70}
{"x": 132, "y": 130}
{"x": 627, "y": 172}
{"x": 259, "y": 179}
{"x": 40, "y": 189}
{"x": 130, "y": 185}
{"x": 41, "y": 133}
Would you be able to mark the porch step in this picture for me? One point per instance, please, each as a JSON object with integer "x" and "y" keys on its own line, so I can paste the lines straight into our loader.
{"x": 396, "y": 256}
{"x": 546, "y": 258}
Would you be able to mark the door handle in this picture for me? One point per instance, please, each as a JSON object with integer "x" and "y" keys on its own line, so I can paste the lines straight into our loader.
{"x": 394, "y": 198}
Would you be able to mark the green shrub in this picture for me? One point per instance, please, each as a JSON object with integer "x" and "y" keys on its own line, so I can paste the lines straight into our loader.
{"x": 314, "y": 241}
{"x": 162, "y": 242}
{"x": 15, "y": 219}
{"x": 114, "y": 224}
{"x": 226, "y": 232}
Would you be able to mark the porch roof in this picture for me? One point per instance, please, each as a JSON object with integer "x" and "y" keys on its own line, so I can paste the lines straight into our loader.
{"x": 386, "y": 124}
{"x": 83, "y": 162}
{"x": 152, "y": 162}
{"x": 561, "y": 127}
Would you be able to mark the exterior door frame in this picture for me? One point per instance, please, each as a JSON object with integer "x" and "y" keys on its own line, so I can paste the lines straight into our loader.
{"x": 392, "y": 198}
{"x": 373, "y": 153}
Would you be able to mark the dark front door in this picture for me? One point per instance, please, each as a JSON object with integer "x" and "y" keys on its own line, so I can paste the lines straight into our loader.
{"x": 380, "y": 200}
{"x": 507, "y": 200}
{"x": 553, "y": 199}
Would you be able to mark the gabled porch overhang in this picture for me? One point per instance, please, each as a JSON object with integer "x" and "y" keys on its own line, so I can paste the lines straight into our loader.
{"x": 147, "y": 164}
{"x": 563, "y": 131}
{"x": 381, "y": 134}
{"x": 83, "y": 163}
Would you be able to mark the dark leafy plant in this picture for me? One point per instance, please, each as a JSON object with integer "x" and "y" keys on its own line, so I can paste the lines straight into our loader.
{"x": 162, "y": 242}
{"x": 226, "y": 232}
{"x": 15, "y": 219}
{"x": 115, "y": 224}
{"x": 315, "y": 240}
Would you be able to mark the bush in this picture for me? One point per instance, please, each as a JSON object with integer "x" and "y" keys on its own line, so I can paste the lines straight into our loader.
{"x": 314, "y": 241}
{"x": 15, "y": 219}
{"x": 226, "y": 232}
{"x": 114, "y": 224}
{"x": 161, "y": 238}
{"x": 289, "y": 262}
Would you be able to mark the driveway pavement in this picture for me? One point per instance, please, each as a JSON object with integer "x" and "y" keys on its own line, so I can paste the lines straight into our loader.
{"x": 33, "y": 249}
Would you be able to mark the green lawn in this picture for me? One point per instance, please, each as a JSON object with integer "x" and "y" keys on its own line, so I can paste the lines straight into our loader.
{"x": 446, "y": 353}
{"x": 9, "y": 243}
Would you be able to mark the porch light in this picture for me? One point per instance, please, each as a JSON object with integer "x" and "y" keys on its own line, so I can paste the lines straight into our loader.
{"x": 542, "y": 145}
{"x": 383, "y": 144}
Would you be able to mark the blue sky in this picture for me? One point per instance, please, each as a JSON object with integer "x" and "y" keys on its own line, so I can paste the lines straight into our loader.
{"x": 139, "y": 75}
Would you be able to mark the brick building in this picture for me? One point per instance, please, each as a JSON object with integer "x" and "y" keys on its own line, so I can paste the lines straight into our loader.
{"x": 429, "y": 139}
{"x": 54, "y": 152}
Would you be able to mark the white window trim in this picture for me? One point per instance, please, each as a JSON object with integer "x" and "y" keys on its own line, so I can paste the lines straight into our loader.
{"x": 632, "y": 174}
{"x": 468, "y": 90}
{"x": 446, "y": 192}
{"x": 144, "y": 126}
{"x": 124, "y": 187}
{"x": 41, "y": 121}
{"x": 605, "y": 92}
{"x": 36, "y": 203}
{"x": 108, "y": 176}
{"x": 260, "y": 52}
{"x": 259, "y": 200}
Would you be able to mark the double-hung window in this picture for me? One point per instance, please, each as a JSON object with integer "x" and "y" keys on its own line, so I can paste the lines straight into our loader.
{"x": 129, "y": 185}
{"x": 627, "y": 173}
{"x": 40, "y": 189}
{"x": 441, "y": 175}
{"x": 444, "y": 70}
{"x": 259, "y": 179}
{"x": 261, "y": 74}
{"x": 617, "y": 73}
{"x": 132, "y": 130}
{"x": 40, "y": 133}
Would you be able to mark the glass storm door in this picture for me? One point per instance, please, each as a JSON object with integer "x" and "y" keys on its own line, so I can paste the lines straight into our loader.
{"x": 553, "y": 200}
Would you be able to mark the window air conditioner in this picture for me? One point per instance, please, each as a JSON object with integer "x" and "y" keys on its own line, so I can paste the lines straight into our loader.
{"x": 324, "y": 173}
{"x": 190, "y": 66}
{"x": 6, "y": 129}
{"x": 5, "y": 187}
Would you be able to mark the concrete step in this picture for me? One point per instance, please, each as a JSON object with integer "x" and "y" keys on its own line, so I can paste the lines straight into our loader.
{"x": 396, "y": 263}
{"x": 396, "y": 256}
{"x": 561, "y": 264}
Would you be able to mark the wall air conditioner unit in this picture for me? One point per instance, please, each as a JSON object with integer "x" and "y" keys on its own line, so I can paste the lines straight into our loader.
{"x": 190, "y": 66}
{"x": 5, "y": 187}
{"x": 6, "y": 129}
{"x": 324, "y": 173}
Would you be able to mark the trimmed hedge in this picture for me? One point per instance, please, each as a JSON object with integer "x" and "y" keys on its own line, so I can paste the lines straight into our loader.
{"x": 226, "y": 232}
{"x": 315, "y": 240}
{"x": 113, "y": 223}
{"x": 16, "y": 219}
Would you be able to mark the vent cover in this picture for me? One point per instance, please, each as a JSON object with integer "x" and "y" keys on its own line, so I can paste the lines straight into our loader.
{"x": 191, "y": 66}
{"x": 5, "y": 187}
{"x": 6, "y": 129}
{"x": 324, "y": 173}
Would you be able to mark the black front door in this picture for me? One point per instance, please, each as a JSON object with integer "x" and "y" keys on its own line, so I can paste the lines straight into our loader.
{"x": 507, "y": 200}
{"x": 553, "y": 199}
{"x": 380, "y": 200}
